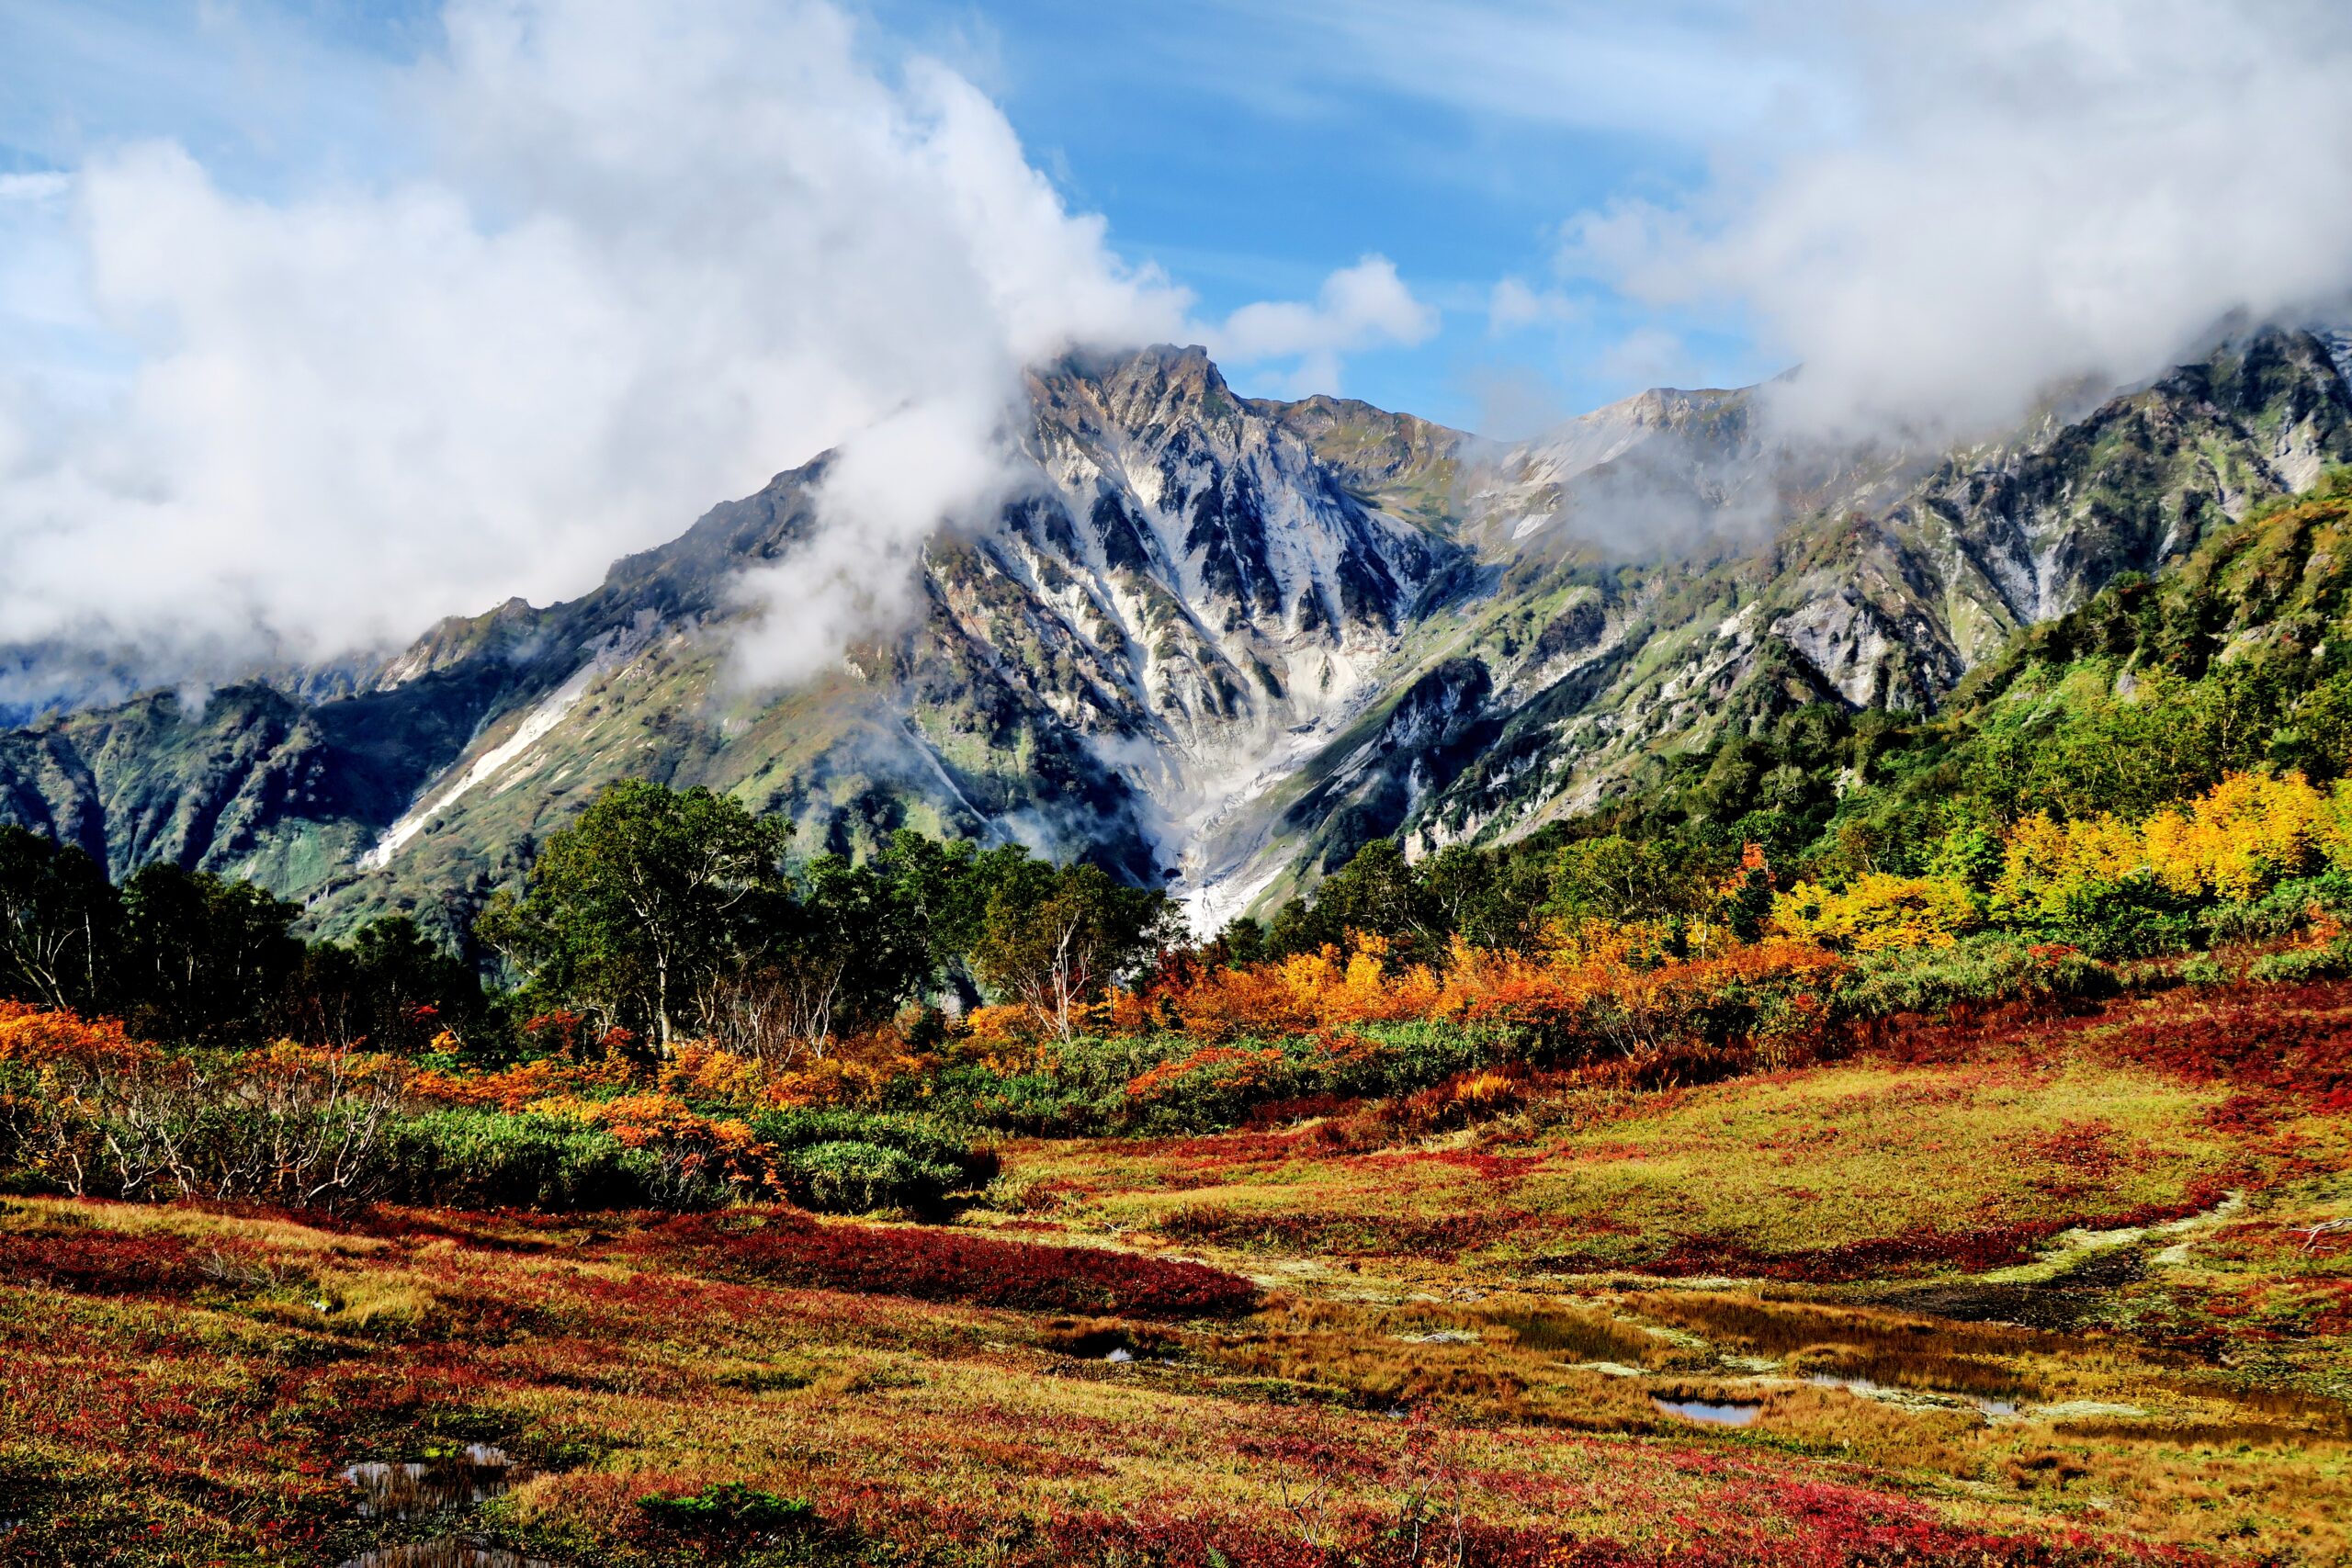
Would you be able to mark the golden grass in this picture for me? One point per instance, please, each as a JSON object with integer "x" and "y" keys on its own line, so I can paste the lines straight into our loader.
{"x": 2194, "y": 1398}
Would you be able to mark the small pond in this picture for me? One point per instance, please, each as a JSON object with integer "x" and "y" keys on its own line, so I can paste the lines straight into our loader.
{"x": 413, "y": 1489}
{"x": 418, "y": 1489}
{"x": 449, "y": 1552}
{"x": 1713, "y": 1413}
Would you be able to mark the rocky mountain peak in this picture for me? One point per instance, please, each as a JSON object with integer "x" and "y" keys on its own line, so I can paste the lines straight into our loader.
{"x": 1227, "y": 638}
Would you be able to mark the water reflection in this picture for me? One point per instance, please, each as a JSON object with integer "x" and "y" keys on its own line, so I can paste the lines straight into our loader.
{"x": 449, "y": 1552}
{"x": 413, "y": 1489}
{"x": 1713, "y": 1413}
{"x": 1993, "y": 1409}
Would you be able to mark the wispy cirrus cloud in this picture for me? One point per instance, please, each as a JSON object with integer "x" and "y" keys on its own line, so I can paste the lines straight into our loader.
{"x": 1939, "y": 208}
{"x": 1677, "y": 71}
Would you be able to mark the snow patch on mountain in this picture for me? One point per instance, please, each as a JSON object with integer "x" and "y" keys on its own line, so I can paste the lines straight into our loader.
{"x": 609, "y": 654}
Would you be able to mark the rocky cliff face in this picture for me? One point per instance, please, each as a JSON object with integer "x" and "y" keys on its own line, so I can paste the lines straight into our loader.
{"x": 1884, "y": 576}
{"x": 1188, "y": 590}
{"x": 1668, "y": 567}
{"x": 1213, "y": 639}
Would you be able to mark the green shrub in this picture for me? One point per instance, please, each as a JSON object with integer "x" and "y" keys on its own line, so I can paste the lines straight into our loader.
{"x": 1987, "y": 967}
{"x": 852, "y": 1162}
{"x": 730, "y": 1507}
{"x": 1036, "y": 1104}
{"x": 2131, "y": 919}
{"x": 2282, "y": 911}
{"x": 916, "y": 1137}
{"x": 2303, "y": 963}
{"x": 486, "y": 1159}
{"x": 1085, "y": 1094}
{"x": 1412, "y": 1056}
{"x": 850, "y": 1178}
{"x": 2203, "y": 970}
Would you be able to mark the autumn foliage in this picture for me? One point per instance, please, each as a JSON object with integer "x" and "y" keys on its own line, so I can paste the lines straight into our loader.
{"x": 780, "y": 1246}
{"x": 2233, "y": 843}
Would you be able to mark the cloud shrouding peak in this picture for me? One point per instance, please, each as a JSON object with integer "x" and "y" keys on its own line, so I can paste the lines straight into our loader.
{"x": 650, "y": 256}
{"x": 1971, "y": 203}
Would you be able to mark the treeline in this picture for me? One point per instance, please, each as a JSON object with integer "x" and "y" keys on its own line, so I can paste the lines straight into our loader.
{"x": 187, "y": 955}
{"x": 670, "y": 1010}
{"x": 663, "y": 915}
{"x": 659, "y": 915}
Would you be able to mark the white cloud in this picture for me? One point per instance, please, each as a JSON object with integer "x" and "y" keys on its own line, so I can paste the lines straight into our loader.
{"x": 47, "y": 185}
{"x": 653, "y": 255}
{"x": 890, "y": 489}
{"x": 1514, "y": 305}
{"x": 1359, "y": 307}
{"x": 1648, "y": 356}
{"x": 1995, "y": 196}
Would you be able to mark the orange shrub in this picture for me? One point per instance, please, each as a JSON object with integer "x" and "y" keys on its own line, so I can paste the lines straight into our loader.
{"x": 287, "y": 1062}
{"x": 1604, "y": 982}
{"x": 708, "y": 1071}
{"x": 39, "y": 1038}
{"x": 511, "y": 1088}
{"x": 698, "y": 1145}
{"x": 842, "y": 1079}
{"x": 1001, "y": 1028}
{"x": 1247, "y": 1074}
{"x": 1294, "y": 996}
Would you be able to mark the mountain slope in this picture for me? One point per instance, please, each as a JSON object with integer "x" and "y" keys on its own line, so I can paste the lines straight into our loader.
{"x": 1183, "y": 590}
{"x": 1863, "y": 577}
{"x": 1218, "y": 638}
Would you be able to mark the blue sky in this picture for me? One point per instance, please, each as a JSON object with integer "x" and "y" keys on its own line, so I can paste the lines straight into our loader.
{"x": 1251, "y": 149}
{"x": 1248, "y": 151}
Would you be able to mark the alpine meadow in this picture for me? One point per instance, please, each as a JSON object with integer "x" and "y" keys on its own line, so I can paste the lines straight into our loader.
{"x": 1136, "y": 961}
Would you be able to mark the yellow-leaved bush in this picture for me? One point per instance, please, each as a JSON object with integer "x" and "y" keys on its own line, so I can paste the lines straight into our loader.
{"x": 2238, "y": 838}
{"x": 2236, "y": 842}
{"x": 2045, "y": 864}
{"x": 1879, "y": 911}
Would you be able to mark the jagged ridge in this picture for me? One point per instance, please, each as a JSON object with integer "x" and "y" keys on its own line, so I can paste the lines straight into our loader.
{"x": 1222, "y": 638}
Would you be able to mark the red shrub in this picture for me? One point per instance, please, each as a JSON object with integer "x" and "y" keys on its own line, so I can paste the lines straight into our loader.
{"x": 1964, "y": 1031}
{"x": 1309, "y": 1107}
{"x": 1387, "y": 1235}
{"x": 784, "y": 1247}
{"x": 2085, "y": 1148}
{"x": 1755, "y": 1518}
{"x": 100, "y": 1262}
{"x": 2293, "y": 1040}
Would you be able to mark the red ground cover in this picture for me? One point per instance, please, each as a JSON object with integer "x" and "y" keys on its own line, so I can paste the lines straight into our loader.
{"x": 2292, "y": 1041}
{"x": 785, "y": 1246}
{"x": 95, "y": 1261}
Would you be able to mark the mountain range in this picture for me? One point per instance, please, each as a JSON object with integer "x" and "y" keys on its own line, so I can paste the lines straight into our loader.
{"x": 1212, "y": 642}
